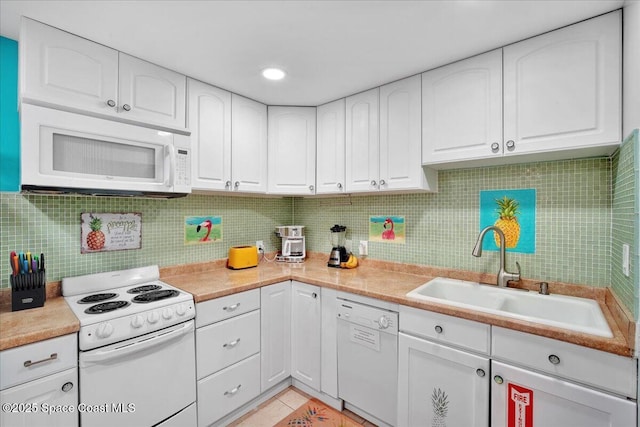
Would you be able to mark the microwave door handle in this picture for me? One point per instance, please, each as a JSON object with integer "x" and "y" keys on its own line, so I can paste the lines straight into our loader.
{"x": 170, "y": 163}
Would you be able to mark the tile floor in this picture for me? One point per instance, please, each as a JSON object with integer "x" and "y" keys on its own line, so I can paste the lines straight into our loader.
{"x": 272, "y": 411}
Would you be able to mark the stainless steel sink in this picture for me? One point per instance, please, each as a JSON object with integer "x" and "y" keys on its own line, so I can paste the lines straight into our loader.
{"x": 577, "y": 314}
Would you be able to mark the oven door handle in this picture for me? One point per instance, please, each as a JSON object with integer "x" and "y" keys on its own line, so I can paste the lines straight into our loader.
{"x": 115, "y": 352}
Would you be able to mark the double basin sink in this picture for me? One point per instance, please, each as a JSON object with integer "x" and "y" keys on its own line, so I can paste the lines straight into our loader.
{"x": 577, "y": 314}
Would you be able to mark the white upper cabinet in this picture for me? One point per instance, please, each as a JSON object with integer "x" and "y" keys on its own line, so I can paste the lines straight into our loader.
{"x": 292, "y": 150}
{"x": 562, "y": 89}
{"x": 362, "y": 142}
{"x": 210, "y": 125}
{"x": 61, "y": 70}
{"x": 462, "y": 110}
{"x": 249, "y": 145}
{"x": 330, "y": 148}
{"x": 400, "y": 138}
{"x": 151, "y": 94}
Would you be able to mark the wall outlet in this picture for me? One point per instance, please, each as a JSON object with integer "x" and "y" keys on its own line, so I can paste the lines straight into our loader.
{"x": 260, "y": 246}
{"x": 363, "y": 248}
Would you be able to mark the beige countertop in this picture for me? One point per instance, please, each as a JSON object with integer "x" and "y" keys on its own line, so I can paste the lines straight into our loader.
{"x": 376, "y": 279}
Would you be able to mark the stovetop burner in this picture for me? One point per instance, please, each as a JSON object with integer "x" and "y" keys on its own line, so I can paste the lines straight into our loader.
{"x": 105, "y": 307}
{"x": 155, "y": 296}
{"x": 143, "y": 288}
{"x": 90, "y": 299}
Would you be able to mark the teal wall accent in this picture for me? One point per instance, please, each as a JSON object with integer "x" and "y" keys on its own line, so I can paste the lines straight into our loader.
{"x": 9, "y": 121}
{"x": 625, "y": 223}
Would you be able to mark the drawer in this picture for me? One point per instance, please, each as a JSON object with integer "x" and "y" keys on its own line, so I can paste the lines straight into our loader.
{"x": 446, "y": 329}
{"x": 28, "y": 362}
{"x": 222, "y": 308}
{"x": 225, "y": 343}
{"x": 585, "y": 365}
{"x": 223, "y": 392}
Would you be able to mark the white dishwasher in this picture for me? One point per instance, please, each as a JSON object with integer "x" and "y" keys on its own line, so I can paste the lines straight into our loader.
{"x": 368, "y": 360}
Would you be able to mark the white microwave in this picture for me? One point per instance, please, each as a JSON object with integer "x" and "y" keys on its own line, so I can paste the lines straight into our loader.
{"x": 68, "y": 152}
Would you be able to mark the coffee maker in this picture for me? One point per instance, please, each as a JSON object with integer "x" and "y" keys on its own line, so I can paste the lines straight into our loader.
{"x": 293, "y": 243}
{"x": 338, "y": 253}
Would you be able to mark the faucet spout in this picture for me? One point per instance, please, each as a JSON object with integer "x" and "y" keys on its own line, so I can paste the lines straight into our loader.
{"x": 503, "y": 275}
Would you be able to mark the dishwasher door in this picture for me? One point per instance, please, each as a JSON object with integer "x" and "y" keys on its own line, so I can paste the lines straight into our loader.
{"x": 368, "y": 359}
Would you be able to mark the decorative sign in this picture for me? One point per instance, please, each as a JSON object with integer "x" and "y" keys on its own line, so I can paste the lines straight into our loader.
{"x": 387, "y": 228}
{"x": 519, "y": 406}
{"x": 102, "y": 232}
{"x": 202, "y": 229}
{"x": 514, "y": 212}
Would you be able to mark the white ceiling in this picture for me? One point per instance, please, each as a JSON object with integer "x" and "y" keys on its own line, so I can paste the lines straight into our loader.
{"x": 329, "y": 49}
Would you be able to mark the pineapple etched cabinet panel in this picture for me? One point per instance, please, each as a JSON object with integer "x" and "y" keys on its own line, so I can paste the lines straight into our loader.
{"x": 330, "y": 148}
{"x": 462, "y": 110}
{"x": 210, "y": 124}
{"x": 562, "y": 89}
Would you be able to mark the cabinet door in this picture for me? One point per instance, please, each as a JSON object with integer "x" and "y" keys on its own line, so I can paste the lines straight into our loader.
{"x": 330, "y": 151}
{"x": 151, "y": 94}
{"x": 58, "y": 68}
{"x": 362, "y": 141}
{"x": 275, "y": 339}
{"x": 305, "y": 334}
{"x": 441, "y": 386}
{"x": 248, "y": 145}
{"x": 562, "y": 89}
{"x": 400, "y": 135}
{"x": 210, "y": 124}
{"x": 462, "y": 110}
{"x": 520, "y": 397}
{"x": 292, "y": 150}
{"x": 35, "y": 397}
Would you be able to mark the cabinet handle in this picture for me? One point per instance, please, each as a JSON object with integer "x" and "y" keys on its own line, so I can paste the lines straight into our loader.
{"x": 495, "y": 147}
{"x": 438, "y": 329}
{"x": 236, "y": 184}
{"x": 311, "y": 188}
{"x": 231, "y": 307}
{"x": 498, "y": 379}
{"x": 126, "y": 107}
{"x": 232, "y": 392}
{"x": 314, "y": 295}
{"x": 511, "y": 145}
{"x": 66, "y": 387}
{"x": 555, "y": 360}
{"x": 231, "y": 344}
{"x": 53, "y": 356}
{"x": 373, "y": 183}
{"x": 227, "y": 184}
{"x": 111, "y": 103}
{"x": 480, "y": 372}
{"x": 382, "y": 182}
{"x": 339, "y": 186}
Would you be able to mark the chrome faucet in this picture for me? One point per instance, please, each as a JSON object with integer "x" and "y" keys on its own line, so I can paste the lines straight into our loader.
{"x": 503, "y": 275}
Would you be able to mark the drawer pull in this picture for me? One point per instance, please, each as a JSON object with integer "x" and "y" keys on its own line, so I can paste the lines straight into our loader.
{"x": 232, "y": 392}
{"x": 554, "y": 359}
{"x": 66, "y": 387}
{"x": 480, "y": 372}
{"x": 53, "y": 356}
{"x": 231, "y": 307}
{"x": 231, "y": 344}
{"x": 498, "y": 379}
{"x": 438, "y": 329}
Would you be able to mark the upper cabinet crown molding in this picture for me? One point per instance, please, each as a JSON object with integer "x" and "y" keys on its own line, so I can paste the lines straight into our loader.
{"x": 61, "y": 70}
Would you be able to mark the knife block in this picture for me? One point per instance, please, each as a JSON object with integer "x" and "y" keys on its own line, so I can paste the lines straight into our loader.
{"x": 28, "y": 290}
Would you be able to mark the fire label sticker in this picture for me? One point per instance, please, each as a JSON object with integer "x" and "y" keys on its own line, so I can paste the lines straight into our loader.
{"x": 520, "y": 406}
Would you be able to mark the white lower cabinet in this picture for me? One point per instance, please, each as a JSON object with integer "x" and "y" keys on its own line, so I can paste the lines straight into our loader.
{"x": 525, "y": 398}
{"x": 275, "y": 341}
{"x": 306, "y": 319}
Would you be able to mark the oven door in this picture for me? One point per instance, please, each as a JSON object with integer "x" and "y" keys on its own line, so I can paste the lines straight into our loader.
{"x": 139, "y": 382}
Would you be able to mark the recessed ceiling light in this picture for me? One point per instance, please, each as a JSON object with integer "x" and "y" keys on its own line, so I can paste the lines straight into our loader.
{"x": 273, "y": 73}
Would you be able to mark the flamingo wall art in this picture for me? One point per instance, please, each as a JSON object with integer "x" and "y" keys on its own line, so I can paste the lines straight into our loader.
{"x": 202, "y": 229}
{"x": 387, "y": 229}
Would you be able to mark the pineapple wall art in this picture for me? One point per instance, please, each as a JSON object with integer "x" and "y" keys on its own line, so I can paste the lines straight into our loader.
{"x": 102, "y": 232}
{"x": 514, "y": 212}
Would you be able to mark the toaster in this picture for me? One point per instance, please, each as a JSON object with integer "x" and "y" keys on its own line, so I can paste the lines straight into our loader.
{"x": 242, "y": 257}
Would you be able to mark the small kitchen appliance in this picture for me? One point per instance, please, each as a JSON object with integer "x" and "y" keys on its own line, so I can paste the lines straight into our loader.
{"x": 242, "y": 257}
{"x": 132, "y": 325}
{"x": 293, "y": 243}
{"x": 338, "y": 251}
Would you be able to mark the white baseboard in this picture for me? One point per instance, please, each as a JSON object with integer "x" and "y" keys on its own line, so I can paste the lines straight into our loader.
{"x": 324, "y": 398}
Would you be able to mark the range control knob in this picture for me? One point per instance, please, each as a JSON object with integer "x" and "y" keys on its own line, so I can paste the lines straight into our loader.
{"x": 153, "y": 317}
{"x": 167, "y": 313}
{"x": 181, "y": 309}
{"x": 137, "y": 321}
{"x": 104, "y": 330}
{"x": 383, "y": 322}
